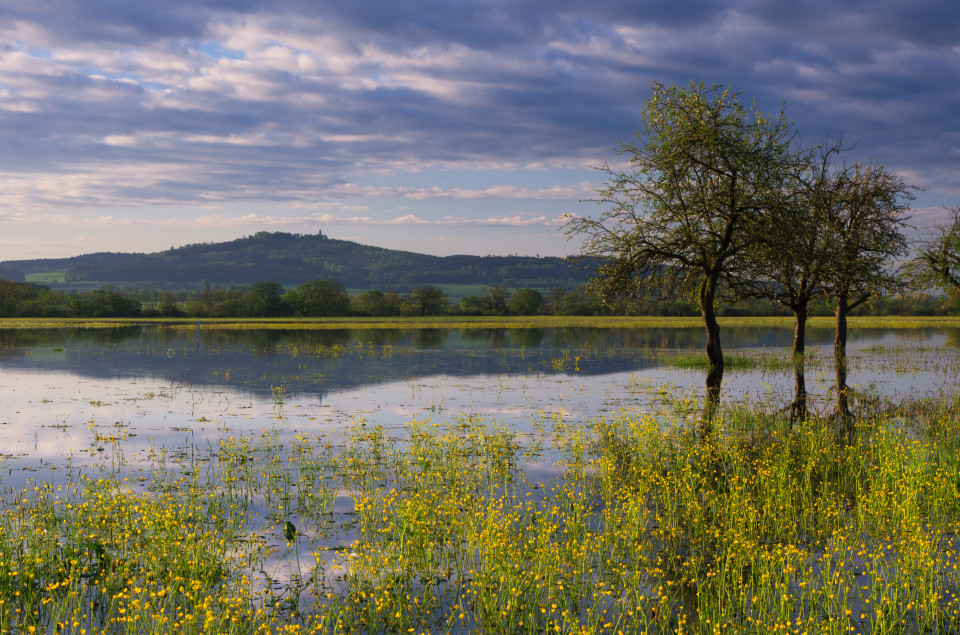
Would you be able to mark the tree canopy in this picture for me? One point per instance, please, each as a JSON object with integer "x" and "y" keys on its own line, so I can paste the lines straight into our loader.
{"x": 703, "y": 173}
{"x": 939, "y": 254}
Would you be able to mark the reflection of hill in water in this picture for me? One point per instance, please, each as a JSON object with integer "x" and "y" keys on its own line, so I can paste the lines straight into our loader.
{"x": 316, "y": 362}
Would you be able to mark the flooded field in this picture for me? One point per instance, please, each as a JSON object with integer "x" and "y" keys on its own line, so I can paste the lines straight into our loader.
{"x": 493, "y": 480}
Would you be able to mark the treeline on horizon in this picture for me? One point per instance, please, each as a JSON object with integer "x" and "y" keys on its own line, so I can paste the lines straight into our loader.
{"x": 329, "y": 298}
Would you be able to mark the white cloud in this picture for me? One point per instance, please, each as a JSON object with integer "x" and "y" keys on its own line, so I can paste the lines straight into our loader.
{"x": 189, "y": 105}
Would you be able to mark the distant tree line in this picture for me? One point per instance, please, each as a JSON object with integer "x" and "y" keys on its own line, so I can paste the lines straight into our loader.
{"x": 316, "y": 298}
{"x": 329, "y": 298}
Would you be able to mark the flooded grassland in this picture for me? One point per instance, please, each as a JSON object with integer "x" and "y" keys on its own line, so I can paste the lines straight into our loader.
{"x": 473, "y": 480}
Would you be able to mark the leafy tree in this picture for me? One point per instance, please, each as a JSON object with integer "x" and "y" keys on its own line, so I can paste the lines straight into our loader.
{"x": 376, "y": 303}
{"x": 556, "y": 299}
{"x": 579, "y": 301}
{"x": 104, "y": 303}
{"x": 391, "y": 303}
{"x": 526, "y": 301}
{"x": 46, "y": 303}
{"x": 232, "y": 307}
{"x": 168, "y": 305}
{"x": 865, "y": 224}
{"x": 495, "y": 300}
{"x": 789, "y": 260}
{"x": 12, "y": 295}
{"x": 938, "y": 259}
{"x": 319, "y": 298}
{"x": 429, "y": 300}
{"x": 264, "y": 299}
{"x": 680, "y": 219}
{"x": 208, "y": 299}
{"x": 471, "y": 305}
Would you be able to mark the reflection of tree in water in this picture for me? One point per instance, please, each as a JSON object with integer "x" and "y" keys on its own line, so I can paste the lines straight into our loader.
{"x": 428, "y": 338}
{"x": 798, "y": 409}
{"x": 14, "y": 341}
{"x": 57, "y": 336}
{"x": 953, "y": 338}
{"x": 527, "y": 337}
{"x": 379, "y": 337}
{"x": 495, "y": 338}
{"x": 317, "y": 361}
{"x": 711, "y": 401}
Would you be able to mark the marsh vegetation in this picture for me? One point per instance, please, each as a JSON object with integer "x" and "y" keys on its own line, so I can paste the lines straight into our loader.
{"x": 514, "y": 481}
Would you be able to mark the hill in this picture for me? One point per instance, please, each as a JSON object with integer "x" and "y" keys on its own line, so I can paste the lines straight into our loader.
{"x": 291, "y": 259}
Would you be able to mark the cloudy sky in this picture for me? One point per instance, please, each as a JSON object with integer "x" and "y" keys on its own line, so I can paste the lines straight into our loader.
{"x": 441, "y": 126}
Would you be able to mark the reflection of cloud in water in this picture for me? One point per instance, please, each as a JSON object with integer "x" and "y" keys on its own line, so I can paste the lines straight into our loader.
{"x": 53, "y": 403}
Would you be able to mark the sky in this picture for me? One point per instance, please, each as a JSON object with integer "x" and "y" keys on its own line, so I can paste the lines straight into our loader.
{"x": 438, "y": 126}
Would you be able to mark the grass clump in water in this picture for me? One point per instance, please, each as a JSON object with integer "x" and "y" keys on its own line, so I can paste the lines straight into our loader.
{"x": 763, "y": 360}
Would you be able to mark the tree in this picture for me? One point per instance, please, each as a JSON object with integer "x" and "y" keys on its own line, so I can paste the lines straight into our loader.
{"x": 377, "y": 303}
{"x": 556, "y": 299}
{"x": 106, "y": 302}
{"x": 788, "y": 261}
{"x": 495, "y": 300}
{"x": 526, "y": 301}
{"x": 319, "y": 298}
{"x": 12, "y": 294}
{"x": 429, "y": 300}
{"x": 168, "y": 305}
{"x": 702, "y": 172}
{"x": 263, "y": 299}
{"x": 938, "y": 259}
{"x": 471, "y": 305}
{"x": 865, "y": 223}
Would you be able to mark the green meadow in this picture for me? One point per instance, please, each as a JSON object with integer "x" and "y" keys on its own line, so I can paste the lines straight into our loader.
{"x": 506, "y": 322}
{"x": 47, "y": 277}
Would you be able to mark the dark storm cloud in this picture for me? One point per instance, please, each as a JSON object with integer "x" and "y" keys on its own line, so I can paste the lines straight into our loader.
{"x": 120, "y": 102}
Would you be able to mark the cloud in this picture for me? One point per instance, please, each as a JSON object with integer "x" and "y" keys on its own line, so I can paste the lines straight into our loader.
{"x": 255, "y": 219}
{"x": 555, "y": 193}
{"x": 115, "y": 104}
{"x": 259, "y": 220}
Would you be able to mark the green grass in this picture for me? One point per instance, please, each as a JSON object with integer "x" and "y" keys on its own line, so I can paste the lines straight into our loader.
{"x": 767, "y": 360}
{"x": 47, "y": 277}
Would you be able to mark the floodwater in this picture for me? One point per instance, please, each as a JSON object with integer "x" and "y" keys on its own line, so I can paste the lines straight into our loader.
{"x": 132, "y": 402}
{"x": 118, "y": 398}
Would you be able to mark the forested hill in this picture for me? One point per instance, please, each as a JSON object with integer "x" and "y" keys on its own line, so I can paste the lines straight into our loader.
{"x": 295, "y": 258}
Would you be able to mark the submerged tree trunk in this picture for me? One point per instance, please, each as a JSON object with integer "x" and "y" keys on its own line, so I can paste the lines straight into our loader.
{"x": 714, "y": 352}
{"x": 840, "y": 356}
{"x": 798, "y": 410}
{"x": 712, "y": 401}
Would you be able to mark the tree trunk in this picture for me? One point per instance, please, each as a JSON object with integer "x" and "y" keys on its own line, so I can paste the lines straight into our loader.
{"x": 840, "y": 357}
{"x": 707, "y": 295}
{"x": 714, "y": 352}
{"x": 798, "y": 410}
{"x": 799, "y": 329}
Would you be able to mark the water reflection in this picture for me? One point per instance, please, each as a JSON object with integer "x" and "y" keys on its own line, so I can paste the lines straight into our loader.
{"x": 953, "y": 338}
{"x": 152, "y": 386}
{"x": 317, "y": 362}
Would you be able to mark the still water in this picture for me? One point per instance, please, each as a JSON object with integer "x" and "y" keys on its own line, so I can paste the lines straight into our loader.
{"x": 76, "y": 398}
{"x": 146, "y": 405}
